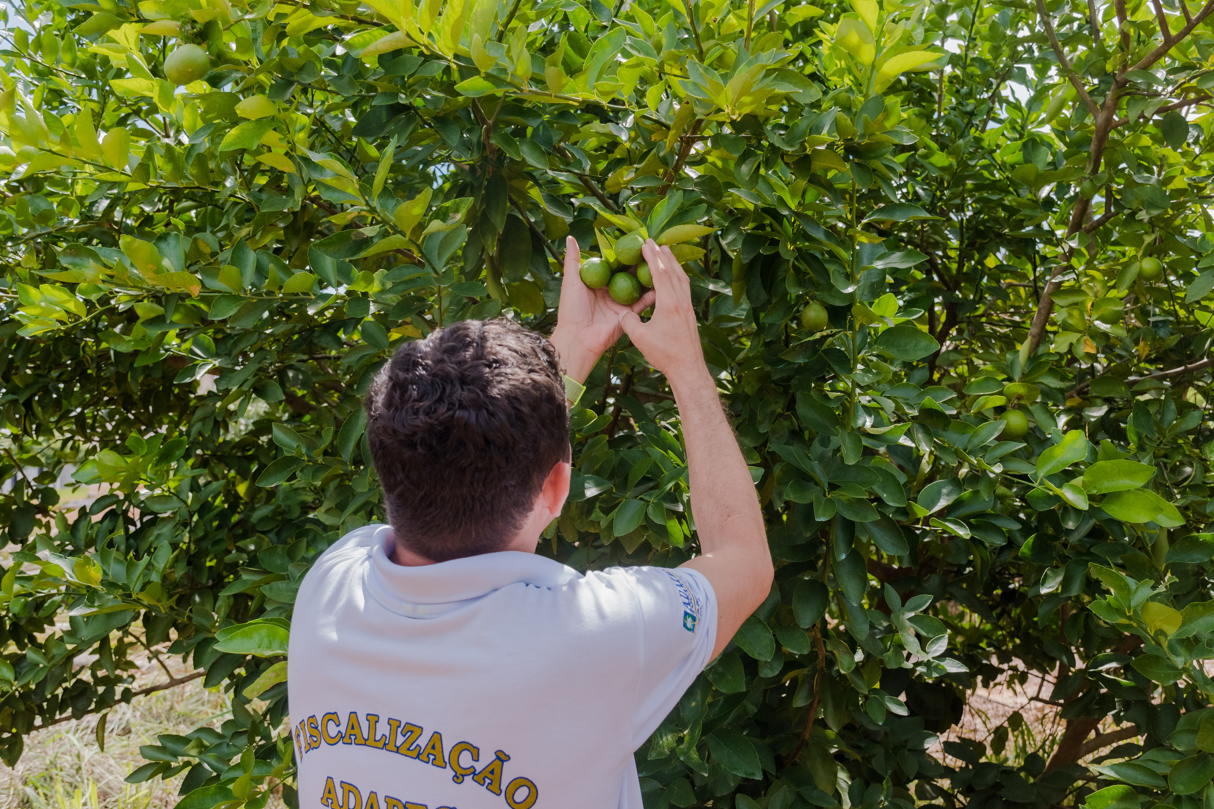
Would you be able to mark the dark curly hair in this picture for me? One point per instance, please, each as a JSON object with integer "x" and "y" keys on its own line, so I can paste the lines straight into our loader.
{"x": 464, "y": 427}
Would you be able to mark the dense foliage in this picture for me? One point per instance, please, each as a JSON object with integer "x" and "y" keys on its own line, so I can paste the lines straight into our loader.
{"x": 1003, "y": 207}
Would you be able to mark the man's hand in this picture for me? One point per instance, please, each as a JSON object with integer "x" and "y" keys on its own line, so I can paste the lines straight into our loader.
{"x": 670, "y": 341}
{"x": 588, "y": 320}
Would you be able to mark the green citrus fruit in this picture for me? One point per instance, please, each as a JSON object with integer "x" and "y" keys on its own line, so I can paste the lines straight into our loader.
{"x": 595, "y": 273}
{"x": 644, "y": 275}
{"x": 624, "y": 289}
{"x": 186, "y": 64}
{"x": 814, "y": 317}
{"x": 1015, "y": 425}
{"x": 1150, "y": 269}
{"x": 628, "y": 248}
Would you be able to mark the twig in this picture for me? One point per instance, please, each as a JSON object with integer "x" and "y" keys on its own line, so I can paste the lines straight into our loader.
{"x": 1063, "y": 61}
{"x": 586, "y": 182}
{"x": 619, "y": 405}
{"x": 1094, "y": 21}
{"x": 1179, "y": 105}
{"x": 813, "y": 706}
{"x": 501, "y": 32}
{"x": 691, "y": 20}
{"x": 535, "y": 230}
{"x": 689, "y": 142}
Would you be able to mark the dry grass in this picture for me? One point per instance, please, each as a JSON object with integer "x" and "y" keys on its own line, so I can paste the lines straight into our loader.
{"x": 64, "y": 768}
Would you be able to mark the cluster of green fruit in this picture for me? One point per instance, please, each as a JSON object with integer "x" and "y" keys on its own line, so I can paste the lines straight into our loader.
{"x": 624, "y": 286}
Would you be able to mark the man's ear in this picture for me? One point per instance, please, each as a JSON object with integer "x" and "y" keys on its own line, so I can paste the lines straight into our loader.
{"x": 556, "y": 488}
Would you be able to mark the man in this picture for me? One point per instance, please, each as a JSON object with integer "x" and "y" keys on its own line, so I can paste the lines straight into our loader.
{"x": 438, "y": 661}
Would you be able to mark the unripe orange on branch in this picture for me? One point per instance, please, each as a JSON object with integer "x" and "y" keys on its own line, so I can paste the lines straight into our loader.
{"x": 186, "y": 64}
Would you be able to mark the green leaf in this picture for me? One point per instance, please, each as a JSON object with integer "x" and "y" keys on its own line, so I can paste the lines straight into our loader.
{"x": 1118, "y": 796}
{"x": 1115, "y": 476}
{"x": 898, "y": 212}
{"x": 727, "y": 674}
{"x": 246, "y": 135}
{"x": 628, "y": 517}
{"x": 375, "y": 335}
{"x": 1133, "y": 773}
{"x": 939, "y": 494}
{"x": 887, "y": 535}
{"x": 907, "y": 343}
{"x": 476, "y": 87}
{"x": 1072, "y": 448}
{"x": 351, "y": 432}
{"x": 1199, "y": 287}
{"x": 1195, "y": 549}
{"x": 383, "y": 169}
{"x": 278, "y": 471}
{"x": 1141, "y": 506}
{"x": 1074, "y": 495}
{"x": 1160, "y": 617}
{"x": 1175, "y": 129}
{"x": 162, "y": 503}
{"x": 735, "y": 753}
{"x": 300, "y": 282}
{"x": 809, "y": 602}
{"x": 755, "y": 638}
{"x": 272, "y": 676}
{"x": 206, "y": 797}
{"x": 1156, "y": 669}
{"x": 257, "y": 638}
{"x": 1190, "y": 775}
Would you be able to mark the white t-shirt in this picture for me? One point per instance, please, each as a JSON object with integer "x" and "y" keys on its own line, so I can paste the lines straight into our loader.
{"x": 494, "y": 681}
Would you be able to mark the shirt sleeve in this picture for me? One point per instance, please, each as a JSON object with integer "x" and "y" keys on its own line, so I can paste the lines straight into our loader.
{"x": 678, "y": 629}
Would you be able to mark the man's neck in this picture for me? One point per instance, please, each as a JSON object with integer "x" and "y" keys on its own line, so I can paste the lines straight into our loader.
{"x": 407, "y": 558}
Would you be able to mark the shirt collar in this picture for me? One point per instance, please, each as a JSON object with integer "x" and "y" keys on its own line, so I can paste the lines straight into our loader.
{"x": 458, "y": 580}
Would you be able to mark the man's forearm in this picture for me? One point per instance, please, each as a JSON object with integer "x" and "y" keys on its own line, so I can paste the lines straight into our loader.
{"x": 722, "y": 492}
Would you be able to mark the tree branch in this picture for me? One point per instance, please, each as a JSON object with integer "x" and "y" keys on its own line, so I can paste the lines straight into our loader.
{"x": 1178, "y": 105}
{"x": 689, "y": 142}
{"x": 1095, "y": 224}
{"x": 1122, "y": 20}
{"x": 1107, "y": 739}
{"x": 586, "y": 182}
{"x": 1083, "y": 387}
{"x": 813, "y": 706}
{"x": 1162, "y": 19}
{"x": 1063, "y": 61}
{"x": 1094, "y": 21}
{"x": 151, "y": 689}
{"x": 1079, "y": 215}
{"x": 1170, "y": 41}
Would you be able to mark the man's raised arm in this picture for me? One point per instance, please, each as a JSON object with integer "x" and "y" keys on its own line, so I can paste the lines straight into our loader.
{"x": 736, "y": 559}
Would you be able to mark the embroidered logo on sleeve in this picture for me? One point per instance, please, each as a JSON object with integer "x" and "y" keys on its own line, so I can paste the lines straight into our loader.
{"x": 691, "y": 605}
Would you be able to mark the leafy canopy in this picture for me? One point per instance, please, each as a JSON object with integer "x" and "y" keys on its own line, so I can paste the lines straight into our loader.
{"x": 1002, "y": 206}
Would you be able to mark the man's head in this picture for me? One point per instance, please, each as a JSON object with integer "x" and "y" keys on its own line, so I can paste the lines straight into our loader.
{"x": 465, "y": 427}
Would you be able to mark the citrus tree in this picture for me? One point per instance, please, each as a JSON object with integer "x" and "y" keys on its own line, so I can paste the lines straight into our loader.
{"x": 952, "y": 261}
